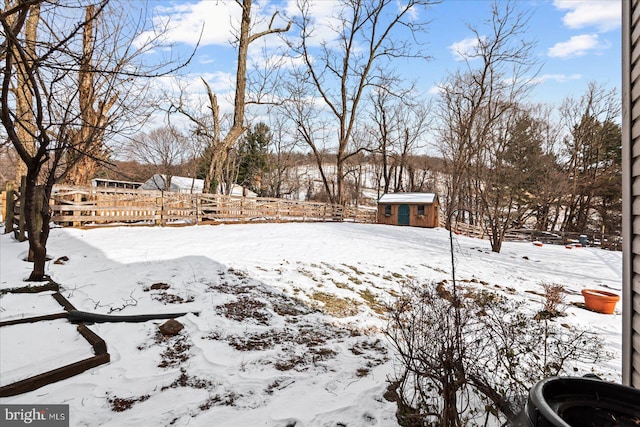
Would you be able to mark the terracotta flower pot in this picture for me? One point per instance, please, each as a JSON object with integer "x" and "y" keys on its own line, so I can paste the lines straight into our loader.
{"x": 600, "y": 301}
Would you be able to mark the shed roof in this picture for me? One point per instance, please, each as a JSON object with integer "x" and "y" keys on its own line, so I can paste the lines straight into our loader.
{"x": 408, "y": 198}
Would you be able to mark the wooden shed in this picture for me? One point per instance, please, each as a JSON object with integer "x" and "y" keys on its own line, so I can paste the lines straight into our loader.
{"x": 413, "y": 209}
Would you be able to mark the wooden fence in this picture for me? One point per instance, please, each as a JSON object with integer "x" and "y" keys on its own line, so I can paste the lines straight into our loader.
{"x": 546, "y": 237}
{"x": 90, "y": 206}
{"x": 100, "y": 206}
{"x": 13, "y": 210}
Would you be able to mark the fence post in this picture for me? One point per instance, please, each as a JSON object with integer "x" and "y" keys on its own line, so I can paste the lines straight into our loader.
{"x": 8, "y": 206}
{"x": 77, "y": 199}
{"x": 162, "y": 212}
{"x": 21, "y": 234}
{"x": 196, "y": 199}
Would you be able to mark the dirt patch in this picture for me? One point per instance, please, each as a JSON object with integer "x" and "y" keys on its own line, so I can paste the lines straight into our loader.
{"x": 185, "y": 380}
{"x": 374, "y": 353}
{"x": 334, "y": 305}
{"x": 226, "y": 399}
{"x": 372, "y": 301}
{"x": 121, "y": 404}
{"x": 244, "y": 309}
{"x": 167, "y": 298}
{"x": 176, "y": 349}
{"x": 296, "y": 348}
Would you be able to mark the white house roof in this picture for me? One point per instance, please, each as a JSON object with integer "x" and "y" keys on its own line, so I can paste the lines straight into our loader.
{"x": 408, "y": 198}
{"x": 185, "y": 184}
{"x": 178, "y": 183}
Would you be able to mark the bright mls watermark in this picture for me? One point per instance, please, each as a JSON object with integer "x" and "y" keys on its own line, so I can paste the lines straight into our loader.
{"x": 34, "y": 415}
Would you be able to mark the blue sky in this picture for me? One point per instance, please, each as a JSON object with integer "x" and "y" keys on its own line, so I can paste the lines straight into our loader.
{"x": 578, "y": 41}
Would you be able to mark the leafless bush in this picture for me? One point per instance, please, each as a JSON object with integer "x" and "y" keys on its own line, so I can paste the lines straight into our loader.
{"x": 472, "y": 357}
{"x": 554, "y": 300}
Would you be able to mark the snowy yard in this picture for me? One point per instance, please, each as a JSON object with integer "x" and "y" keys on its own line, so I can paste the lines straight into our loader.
{"x": 285, "y": 319}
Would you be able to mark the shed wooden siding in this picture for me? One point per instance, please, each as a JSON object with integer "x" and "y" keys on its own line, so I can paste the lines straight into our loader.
{"x": 430, "y": 219}
{"x": 631, "y": 192}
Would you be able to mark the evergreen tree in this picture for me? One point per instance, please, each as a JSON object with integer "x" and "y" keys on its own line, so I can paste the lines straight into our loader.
{"x": 253, "y": 154}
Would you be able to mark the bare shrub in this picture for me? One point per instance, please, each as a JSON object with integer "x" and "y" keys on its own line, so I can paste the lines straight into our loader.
{"x": 465, "y": 359}
{"x": 554, "y": 301}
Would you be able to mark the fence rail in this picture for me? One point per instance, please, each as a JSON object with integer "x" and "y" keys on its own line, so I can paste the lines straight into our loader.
{"x": 528, "y": 235}
{"x": 83, "y": 206}
{"x": 101, "y": 206}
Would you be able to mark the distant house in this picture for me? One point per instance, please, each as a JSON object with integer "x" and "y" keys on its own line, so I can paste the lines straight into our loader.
{"x": 413, "y": 209}
{"x": 182, "y": 184}
{"x": 114, "y": 183}
{"x": 179, "y": 184}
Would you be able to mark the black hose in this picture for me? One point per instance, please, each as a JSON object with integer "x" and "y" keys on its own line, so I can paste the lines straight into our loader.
{"x": 76, "y": 316}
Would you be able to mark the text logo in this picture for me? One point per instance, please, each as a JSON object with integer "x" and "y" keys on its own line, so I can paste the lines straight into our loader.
{"x": 34, "y": 415}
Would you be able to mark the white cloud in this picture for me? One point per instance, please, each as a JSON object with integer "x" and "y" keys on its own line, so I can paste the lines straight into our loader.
{"x": 412, "y": 13}
{"x": 435, "y": 90}
{"x": 206, "y": 59}
{"x": 605, "y": 15}
{"x": 558, "y": 78}
{"x": 326, "y": 17}
{"x": 218, "y": 21}
{"x": 577, "y": 46}
{"x": 218, "y": 81}
{"x": 464, "y": 49}
{"x": 184, "y": 22}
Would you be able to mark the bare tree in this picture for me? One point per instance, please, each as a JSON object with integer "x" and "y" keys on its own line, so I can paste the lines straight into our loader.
{"x": 402, "y": 121}
{"x": 551, "y": 183}
{"x": 209, "y": 127}
{"x": 367, "y": 36}
{"x": 592, "y": 146}
{"x": 385, "y": 124}
{"x": 282, "y": 158}
{"x": 507, "y": 172}
{"x": 47, "y": 77}
{"x": 23, "y": 97}
{"x": 473, "y": 100}
{"x": 166, "y": 148}
{"x": 95, "y": 104}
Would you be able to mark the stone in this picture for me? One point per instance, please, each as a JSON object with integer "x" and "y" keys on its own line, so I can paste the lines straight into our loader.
{"x": 171, "y": 327}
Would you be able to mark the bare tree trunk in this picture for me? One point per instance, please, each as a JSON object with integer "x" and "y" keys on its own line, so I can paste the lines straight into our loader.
{"x": 87, "y": 141}
{"x": 25, "y": 125}
{"x": 45, "y": 136}
{"x": 220, "y": 148}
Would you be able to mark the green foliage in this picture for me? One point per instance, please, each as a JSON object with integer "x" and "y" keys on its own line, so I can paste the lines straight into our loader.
{"x": 253, "y": 154}
{"x": 595, "y": 150}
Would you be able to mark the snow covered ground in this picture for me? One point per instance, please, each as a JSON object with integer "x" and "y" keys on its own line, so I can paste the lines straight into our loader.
{"x": 285, "y": 319}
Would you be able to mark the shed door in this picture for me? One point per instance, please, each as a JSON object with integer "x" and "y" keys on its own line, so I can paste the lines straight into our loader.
{"x": 403, "y": 215}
